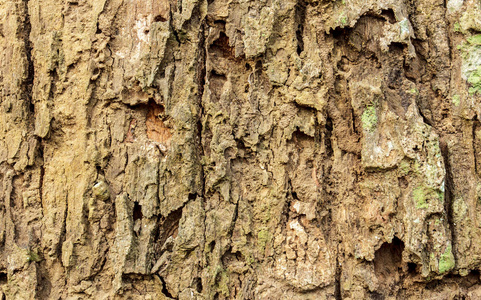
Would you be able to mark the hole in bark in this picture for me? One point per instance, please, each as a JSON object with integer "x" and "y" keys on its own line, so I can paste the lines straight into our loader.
{"x": 432, "y": 285}
{"x": 221, "y": 47}
{"x": 159, "y": 18}
{"x": 388, "y": 14}
{"x": 221, "y": 22}
{"x": 299, "y": 136}
{"x": 412, "y": 268}
{"x": 376, "y": 296}
{"x": 231, "y": 257}
{"x": 137, "y": 214}
{"x": 192, "y": 196}
{"x": 157, "y": 130}
{"x": 3, "y": 278}
{"x": 472, "y": 278}
{"x": 197, "y": 284}
{"x": 388, "y": 262}
{"x": 403, "y": 182}
{"x": 340, "y": 34}
{"x": 170, "y": 226}
{"x": 212, "y": 245}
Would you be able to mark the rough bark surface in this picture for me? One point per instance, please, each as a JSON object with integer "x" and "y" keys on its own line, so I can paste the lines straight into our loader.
{"x": 228, "y": 149}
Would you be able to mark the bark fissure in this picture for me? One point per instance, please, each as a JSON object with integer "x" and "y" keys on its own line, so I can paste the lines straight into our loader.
{"x": 30, "y": 72}
{"x": 448, "y": 195}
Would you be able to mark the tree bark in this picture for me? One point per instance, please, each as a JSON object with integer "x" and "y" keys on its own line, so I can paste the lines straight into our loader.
{"x": 214, "y": 149}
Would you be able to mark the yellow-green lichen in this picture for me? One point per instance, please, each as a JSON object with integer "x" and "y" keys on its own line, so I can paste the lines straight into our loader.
{"x": 471, "y": 65}
{"x": 475, "y": 80}
{"x": 470, "y": 20}
{"x": 417, "y": 167}
{"x": 249, "y": 259}
{"x": 263, "y": 238}
{"x": 404, "y": 167}
{"x": 446, "y": 261}
{"x": 420, "y": 197}
{"x": 414, "y": 91}
{"x": 456, "y": 100}
{"x": 422, "y": 194}
{"x": 369, "y": 118}
{"x": 457, "y": 27}
{"x": 475, "y": 39}
{"x": 342, "y": 19}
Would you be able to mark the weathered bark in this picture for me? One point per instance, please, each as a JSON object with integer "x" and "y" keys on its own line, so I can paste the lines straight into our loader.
{"x": 214, "y": 149}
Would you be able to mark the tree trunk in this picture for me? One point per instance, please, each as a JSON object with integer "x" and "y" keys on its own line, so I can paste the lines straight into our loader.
{"x": 214, "y": 149}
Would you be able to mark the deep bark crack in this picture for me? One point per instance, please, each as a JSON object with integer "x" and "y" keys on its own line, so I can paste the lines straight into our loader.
{"x": 448, "y": 195}
{"x": 28, "y": 83}
{"x": 337, "y": 288}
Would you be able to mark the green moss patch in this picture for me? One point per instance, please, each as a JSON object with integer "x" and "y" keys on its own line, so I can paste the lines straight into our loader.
{"x": 446, "y": 261}
{"x": 33, "y": 256}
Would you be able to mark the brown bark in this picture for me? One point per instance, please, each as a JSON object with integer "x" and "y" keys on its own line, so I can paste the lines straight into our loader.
{"x": 240, "y": 149}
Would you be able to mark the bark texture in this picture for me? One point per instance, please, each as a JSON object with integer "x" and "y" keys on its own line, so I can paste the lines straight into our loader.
{"x": 240, "y": 149}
